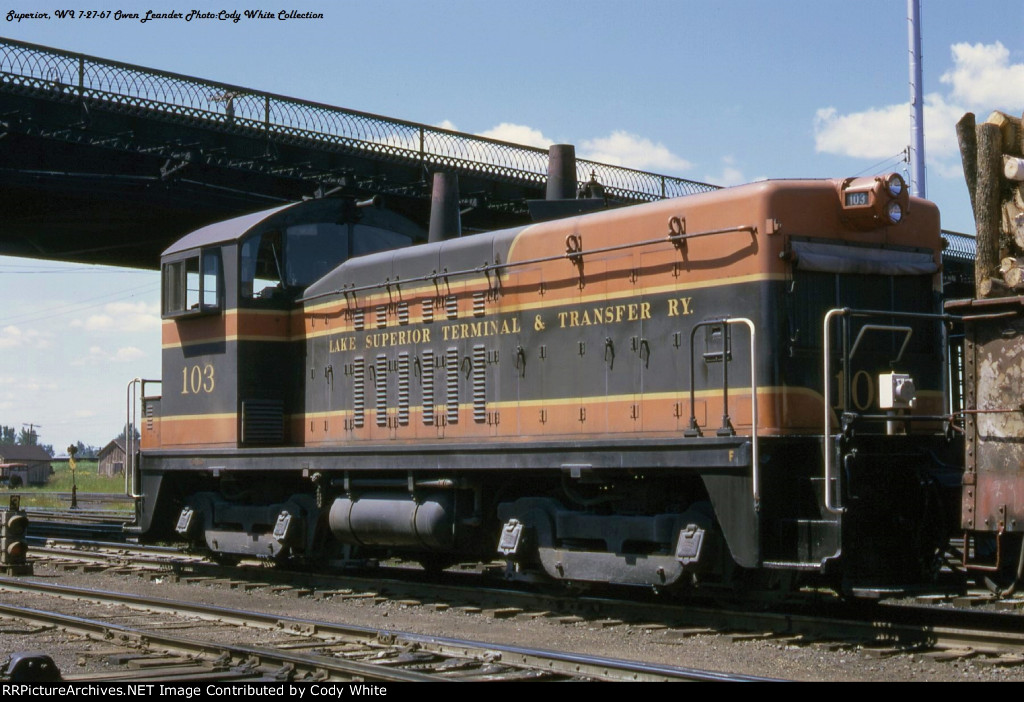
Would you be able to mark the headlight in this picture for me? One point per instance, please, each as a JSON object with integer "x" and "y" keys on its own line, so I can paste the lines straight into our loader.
{"x": 895, "y": 212}
{"x": 895, "y": 185}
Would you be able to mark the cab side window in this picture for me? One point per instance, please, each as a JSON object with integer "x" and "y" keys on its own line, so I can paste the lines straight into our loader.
{"x": 192, "y": 284}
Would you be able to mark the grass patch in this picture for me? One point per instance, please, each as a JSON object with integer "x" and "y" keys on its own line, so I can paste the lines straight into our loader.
{"x": 86, "y": 478}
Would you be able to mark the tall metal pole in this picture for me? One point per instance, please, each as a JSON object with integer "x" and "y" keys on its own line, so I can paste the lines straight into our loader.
{"x": 916, "y": 99}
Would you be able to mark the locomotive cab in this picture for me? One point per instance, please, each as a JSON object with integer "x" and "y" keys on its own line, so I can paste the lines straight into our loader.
{"x": 231, "y": 372}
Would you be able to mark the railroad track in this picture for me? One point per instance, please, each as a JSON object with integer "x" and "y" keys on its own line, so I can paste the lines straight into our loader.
{"x": 950, "y": 631}
{"x": 302, "y": 649}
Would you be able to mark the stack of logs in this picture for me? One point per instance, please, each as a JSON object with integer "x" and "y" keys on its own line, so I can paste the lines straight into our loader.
{"x": 993, "y": 158}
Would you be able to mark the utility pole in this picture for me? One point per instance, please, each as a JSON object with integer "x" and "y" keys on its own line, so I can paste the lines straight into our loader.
{"x": 32, "y": 431}
{"x": 916, "y": 99}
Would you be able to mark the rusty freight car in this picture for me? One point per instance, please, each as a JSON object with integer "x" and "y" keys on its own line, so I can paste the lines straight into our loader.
{"x": 992, "y": 506}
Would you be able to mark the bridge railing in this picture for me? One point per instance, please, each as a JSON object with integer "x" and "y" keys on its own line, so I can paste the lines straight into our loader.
{"x": 129, "y": 88}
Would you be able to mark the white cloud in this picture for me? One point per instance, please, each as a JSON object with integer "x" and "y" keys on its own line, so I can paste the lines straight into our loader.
{"x": 12, "y": 337}
{"x": 99, "y": 355}
{"x": 128, "y": 353}
{"x": 883, "y": 132}
{"x": 625, "y": 149}
{"x": 122, "y": 317}
{"x": 873, "y": 133}
{"x": 983, "y": 77}
{"x": 36, "y": 386}
{"x": 619, "y": 148}
{"x": 729, "y": 175}
{"x": 96, "y": 354}
{"x": 518, "y": 134}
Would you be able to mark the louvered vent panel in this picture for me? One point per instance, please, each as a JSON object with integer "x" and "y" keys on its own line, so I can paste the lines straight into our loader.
{"x": 428, "y": 387}
{"x": 359, "y": 319}
{"x": 403, "y": 388}
{"x": 451, "y": 306}
{"x": 358, "y": 392}
{"x": 403, "y": 312}
{"x": 382, "y": 390}
{"x": 479, "y": 383}
{"x": 428, "y": 310}
{"x": 382, "y": 316}
{"x": 262, "y": 422}
{"x": 478, "y": 304}
{"x": 451, "y": 365}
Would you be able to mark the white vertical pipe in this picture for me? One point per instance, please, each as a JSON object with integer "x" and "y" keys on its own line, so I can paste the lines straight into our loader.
{"x": 916, "y": 98}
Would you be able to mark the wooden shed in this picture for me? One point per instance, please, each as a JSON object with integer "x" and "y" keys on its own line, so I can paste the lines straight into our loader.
{"x": 24, "y": 465}
{"x": 111, "y": 459}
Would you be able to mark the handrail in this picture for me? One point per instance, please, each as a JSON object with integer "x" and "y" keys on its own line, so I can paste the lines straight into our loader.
{"x": 74, "y": 76}
{"x": 694, "y": 429}
{"x": 571, "y": 254}
{"x": 136, "y": 388}
{"x": 830, "y": 473}
{"x": 883, "y": 327}
{"x": 129, "y": 437}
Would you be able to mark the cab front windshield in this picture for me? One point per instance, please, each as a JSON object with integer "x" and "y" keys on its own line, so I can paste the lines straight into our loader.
{"x": 278, "y": 263}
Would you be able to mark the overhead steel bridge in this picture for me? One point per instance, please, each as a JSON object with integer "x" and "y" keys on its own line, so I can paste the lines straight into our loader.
{"x": 102, "y": 161}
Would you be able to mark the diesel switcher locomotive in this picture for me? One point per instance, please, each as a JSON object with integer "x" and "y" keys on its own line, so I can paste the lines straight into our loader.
{"x": 741, "y": 386}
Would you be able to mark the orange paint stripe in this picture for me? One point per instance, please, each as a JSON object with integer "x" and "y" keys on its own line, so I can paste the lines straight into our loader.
{"x": 230, "y": 326}
{"x": 197, "y": 431}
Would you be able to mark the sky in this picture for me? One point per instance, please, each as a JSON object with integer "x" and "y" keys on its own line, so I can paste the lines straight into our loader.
{"x": 726, "y": 92}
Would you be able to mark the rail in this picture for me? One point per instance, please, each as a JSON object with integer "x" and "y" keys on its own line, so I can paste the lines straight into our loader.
{"x": 123, "y": 87}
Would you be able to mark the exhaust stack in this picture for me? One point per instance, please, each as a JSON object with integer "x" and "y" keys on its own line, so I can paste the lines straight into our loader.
{"x": 445, "y": 218}
{"x": 561, "y": 172}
